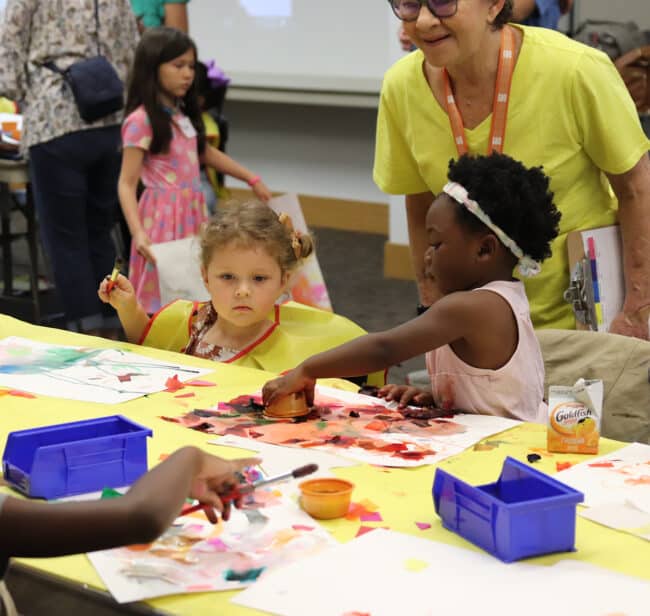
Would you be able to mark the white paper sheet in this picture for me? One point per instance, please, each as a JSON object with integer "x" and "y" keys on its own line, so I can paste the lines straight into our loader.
{"x": 385, "y": 573}
{"x": 612, "y": 479}
{"x": 179, "y": 270}
{"x": 623, "y": 517}
{"x": 107, "y": 376}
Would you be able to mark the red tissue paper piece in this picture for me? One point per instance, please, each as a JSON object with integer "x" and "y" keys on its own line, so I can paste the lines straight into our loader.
{"x": 189, "y": 395}
{"x": 357, "y": 510}
{"x": 423, "y": 525}
{"x": 125, "y": 378}
{"x": 200, "y": 383}
{"x": 20, "y": 394}
{"x": 373, "y": 516}
{"x": 173, "y": 384}
{"x": 378, "y": 425}
{"x": 301, "y": 527}
{"x": 602, "y": 465}
{"x": 366, "y": 529}
{"x": 561, "y": 466}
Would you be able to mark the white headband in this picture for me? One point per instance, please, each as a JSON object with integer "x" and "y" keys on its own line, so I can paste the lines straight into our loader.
{"x": 527, "y": 267}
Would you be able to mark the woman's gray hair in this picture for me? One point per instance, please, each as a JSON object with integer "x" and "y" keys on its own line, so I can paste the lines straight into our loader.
{"x": 504, "y": 16}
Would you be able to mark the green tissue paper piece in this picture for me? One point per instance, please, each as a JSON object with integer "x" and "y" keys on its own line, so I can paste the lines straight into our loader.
{"x": 110, "y": 493}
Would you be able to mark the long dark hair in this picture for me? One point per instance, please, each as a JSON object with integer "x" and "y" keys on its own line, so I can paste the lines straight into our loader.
{"x": 157, "y": 46}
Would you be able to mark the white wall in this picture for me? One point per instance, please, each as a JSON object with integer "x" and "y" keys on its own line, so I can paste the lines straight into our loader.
{"x": 310, "y": 149}
{"x": 336, "y": 45}
{"x": 313, "y": 150}
{"x": 328, "y": 151}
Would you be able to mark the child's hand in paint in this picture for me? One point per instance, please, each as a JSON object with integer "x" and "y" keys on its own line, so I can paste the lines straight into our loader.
{"x": 120, "y": 294}
{"x": 405, "y": 395}
{"x": 292, "y": 382}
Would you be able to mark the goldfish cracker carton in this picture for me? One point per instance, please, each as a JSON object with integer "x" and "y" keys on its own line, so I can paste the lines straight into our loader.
{"x": 574, "y": 415}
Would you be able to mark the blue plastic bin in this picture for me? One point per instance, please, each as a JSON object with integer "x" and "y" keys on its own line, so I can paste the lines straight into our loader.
{"x": 77, "y": 457}
{"x": 525, "y": 513}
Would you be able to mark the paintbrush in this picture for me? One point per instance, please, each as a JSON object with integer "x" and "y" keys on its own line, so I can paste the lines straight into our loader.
{"x": 240, "y": 490}
{"x": 114, "y": 274}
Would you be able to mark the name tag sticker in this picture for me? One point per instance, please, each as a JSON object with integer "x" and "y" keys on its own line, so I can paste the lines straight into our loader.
{"x": 187, "y": 128}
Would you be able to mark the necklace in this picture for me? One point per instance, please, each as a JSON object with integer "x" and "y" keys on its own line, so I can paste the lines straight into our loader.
{"x": 500, "y": 101}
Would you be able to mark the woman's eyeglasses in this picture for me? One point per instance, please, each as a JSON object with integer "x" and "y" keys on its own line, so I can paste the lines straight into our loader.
{"x": 408, "y": 10}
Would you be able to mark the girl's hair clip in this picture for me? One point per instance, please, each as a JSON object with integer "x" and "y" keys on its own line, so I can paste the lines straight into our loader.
{"x": 296, "y": 244}
{"x": 216, "y": 76}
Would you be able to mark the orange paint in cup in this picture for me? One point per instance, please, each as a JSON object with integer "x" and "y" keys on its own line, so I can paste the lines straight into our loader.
{"x": 326, "y": 498}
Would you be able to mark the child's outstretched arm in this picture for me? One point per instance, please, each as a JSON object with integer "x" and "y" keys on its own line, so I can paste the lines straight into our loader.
{"x": 223, "y": 163}
{"x": 121, "y": 296}
{"x": 449, "y": 319}
{"x": 144, "y": 513}
{"x": 127, "y": 187}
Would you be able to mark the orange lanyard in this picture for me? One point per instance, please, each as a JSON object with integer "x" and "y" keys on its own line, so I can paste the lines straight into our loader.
{"x": 499, "y": 104}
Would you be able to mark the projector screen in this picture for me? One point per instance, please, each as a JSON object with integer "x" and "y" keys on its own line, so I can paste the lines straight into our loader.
{"x": 307, "y": 45}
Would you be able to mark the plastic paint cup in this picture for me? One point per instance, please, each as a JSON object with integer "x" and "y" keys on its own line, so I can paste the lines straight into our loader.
{"x": 290, "y": 406}
{"x": 326, "y": 498}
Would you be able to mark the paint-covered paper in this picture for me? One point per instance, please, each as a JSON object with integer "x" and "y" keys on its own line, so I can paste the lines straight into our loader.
{"x": 619, "y": 477}
{"x": 88, "y": 374}
{"x": 355, "y": 426}
{"x": 194, "y": 555}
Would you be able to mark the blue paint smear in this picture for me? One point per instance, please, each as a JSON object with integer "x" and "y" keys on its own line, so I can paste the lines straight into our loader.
{"x": 50, "y": 359}
{"x": 250, "y": 575}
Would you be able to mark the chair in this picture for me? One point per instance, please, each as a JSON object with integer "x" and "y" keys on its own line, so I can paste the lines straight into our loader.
{"x": 16, "y": 172}
{"x": 622, "y": 364}
{"x": 634, "y": 67}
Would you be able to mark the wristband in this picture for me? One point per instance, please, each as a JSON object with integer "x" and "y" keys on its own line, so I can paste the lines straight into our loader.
{"x": 254, "y": 180}
{"x": 421, "y": 309}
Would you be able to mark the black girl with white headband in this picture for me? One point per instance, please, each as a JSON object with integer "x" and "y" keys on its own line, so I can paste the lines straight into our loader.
{"x": 481, "y": 350}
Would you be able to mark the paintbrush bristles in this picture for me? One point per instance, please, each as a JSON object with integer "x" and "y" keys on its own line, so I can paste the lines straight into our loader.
{"x": 308, "y": 469}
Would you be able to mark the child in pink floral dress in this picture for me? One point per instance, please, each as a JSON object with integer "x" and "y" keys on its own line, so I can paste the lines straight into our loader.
{"x": 164, "y": 142}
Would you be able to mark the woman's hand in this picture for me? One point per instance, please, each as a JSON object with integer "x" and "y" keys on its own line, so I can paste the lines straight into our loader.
{"x": 142, "y": 245}
{"x": 262, "y": 191}
{"x": 405, "y": 395}
{"x": 215, "y": 479}
{"x": 291, "y": 383}
{"x": 120, "y": 294}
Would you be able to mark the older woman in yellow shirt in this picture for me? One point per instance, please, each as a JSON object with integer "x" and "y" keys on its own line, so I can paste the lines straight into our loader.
{"x": 564, "y": 107}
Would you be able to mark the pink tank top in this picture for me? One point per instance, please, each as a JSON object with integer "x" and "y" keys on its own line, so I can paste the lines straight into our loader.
{"x": 515, "y": 390}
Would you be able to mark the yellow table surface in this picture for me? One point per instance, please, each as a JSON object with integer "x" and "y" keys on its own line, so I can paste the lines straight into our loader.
{"x": 402, "y": 495}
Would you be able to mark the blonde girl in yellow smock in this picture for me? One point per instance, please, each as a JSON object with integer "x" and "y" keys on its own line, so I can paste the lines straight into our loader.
{"x": 567, "y": 110}
{"x": 248, "y": 254}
